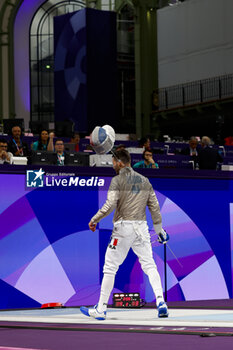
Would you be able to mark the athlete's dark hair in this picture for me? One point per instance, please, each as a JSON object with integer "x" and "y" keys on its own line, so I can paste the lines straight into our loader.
{"x": 122, "y": 155}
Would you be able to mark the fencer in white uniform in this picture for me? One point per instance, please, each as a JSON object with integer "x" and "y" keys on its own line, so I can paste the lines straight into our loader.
{"x": 129, "y": 194}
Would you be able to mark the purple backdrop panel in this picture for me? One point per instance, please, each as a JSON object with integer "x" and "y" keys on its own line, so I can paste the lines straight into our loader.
{"x": 12, "y": 217}
{"x": 82, "y": 249}
{"x": 201, "y": 283}
{"x": 69, "y": 270}
{"x": 19, "y": 248}
{"x": 45, "y": 280}
{"x": 85, "y": 67}
{"x": 194, "y": 253}
{"x": 17, "y": 189}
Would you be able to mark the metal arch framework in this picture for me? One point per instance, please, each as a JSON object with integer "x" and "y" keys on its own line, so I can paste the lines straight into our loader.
{"x": 49, "y": 10}
{"x": 8, "y": 12}
{"x": 39, "y": 115}
{"x": 144, "y": 67}
{"x": 40, "y": 23}
{"x": 122, "y": 3}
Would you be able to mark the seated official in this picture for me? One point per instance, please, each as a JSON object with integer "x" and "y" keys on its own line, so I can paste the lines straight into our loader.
{"x": 5, "y": 157}
{"x": 208, "y": 158}
{"x": 45, "y": 142}
{"x": 61, "y": 157}
{"x": 193, "y": 148}
{"x": 16, "y": 146}
{"x": 147, "y": 162}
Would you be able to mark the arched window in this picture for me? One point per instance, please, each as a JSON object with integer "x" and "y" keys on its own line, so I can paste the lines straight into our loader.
{"x": 41, "y": 56}
{"x": 42, "y": 59}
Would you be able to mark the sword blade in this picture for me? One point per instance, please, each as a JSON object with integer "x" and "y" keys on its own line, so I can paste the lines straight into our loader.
{"x": 174, "y": 255}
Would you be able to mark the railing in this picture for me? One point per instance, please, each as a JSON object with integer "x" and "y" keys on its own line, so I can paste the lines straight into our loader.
{"x": 196, "y": 92}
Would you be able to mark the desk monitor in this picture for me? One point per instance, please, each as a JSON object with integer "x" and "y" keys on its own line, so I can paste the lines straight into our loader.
{"x": 101, "y": 160}
{"x": 78, "y": 159}
{"x": 42, "y": 157}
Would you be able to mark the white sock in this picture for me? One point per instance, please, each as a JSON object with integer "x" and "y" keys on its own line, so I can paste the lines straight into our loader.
{"x": 156, "y": 285}
{"x": 159, "y": 299}
{"x": 106, "y": 288}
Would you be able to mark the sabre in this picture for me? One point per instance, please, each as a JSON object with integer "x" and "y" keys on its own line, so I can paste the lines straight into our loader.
{"x": 174, "y": 255}
{"x": 168, "y": 248}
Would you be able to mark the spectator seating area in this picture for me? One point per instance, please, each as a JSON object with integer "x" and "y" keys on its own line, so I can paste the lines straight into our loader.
{"x": 166, "y": 154}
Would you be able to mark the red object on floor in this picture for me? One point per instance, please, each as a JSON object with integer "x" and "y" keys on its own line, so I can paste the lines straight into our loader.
{"x": 47, "y": 305}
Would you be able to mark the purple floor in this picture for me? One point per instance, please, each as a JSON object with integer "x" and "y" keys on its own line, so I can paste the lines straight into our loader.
{"x": 116, "y": 337}
{"x": 72, "y": 340}
{"x": 188, "y": 330}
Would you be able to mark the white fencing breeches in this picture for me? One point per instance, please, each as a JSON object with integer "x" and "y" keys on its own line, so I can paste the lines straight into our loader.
{"x": 135, "y": 235}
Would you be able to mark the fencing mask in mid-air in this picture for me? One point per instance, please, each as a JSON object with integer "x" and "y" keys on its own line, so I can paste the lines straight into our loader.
{"x": 102, "y": 139}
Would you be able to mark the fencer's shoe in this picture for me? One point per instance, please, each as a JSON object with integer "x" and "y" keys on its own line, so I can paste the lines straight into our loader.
{"x": 162, "y": 309}
{"x": 93, "y": 312}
